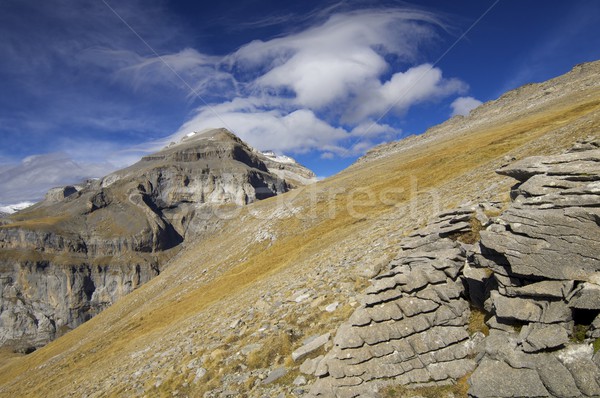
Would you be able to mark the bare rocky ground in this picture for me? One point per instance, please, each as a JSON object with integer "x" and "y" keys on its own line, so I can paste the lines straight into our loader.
{"x": 247, "y": 311}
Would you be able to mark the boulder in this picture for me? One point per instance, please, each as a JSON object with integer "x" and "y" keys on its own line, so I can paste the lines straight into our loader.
{"x": 493, "y": 379}
{"x": 539, "y": 337}
{"x": 55, "y": 195}
{"x": 275, "y": 375}
{"x": 587, "y": 297}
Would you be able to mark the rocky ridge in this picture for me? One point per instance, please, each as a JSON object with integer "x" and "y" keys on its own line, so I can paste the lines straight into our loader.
{"x": 518, "y": 102}
{"x": 535, "y": 272}
{"x": 81, "y": 249}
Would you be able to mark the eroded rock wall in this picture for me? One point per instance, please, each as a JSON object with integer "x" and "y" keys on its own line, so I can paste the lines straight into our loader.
{"x": 40, "y": 300}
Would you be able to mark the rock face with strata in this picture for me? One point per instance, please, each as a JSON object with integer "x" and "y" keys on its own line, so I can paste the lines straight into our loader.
{"x": 412, "y": 325}
{"x": 69, "y": 257}
{"x": 288, "y": 169}
{"x": 545, "y": 306}
{"x": 535, "y": 272}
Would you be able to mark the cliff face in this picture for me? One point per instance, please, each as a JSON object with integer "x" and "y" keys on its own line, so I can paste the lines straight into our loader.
{"x": 42, "y": 299}
{"x": 69, "y": 257}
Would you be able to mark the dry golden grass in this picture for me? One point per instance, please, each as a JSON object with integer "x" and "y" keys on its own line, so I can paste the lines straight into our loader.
{"x": 7, "y": 356}
{"x": 35, "y": 223}
{"x": 458, "y": 390}
{"x": 275, "y": 350}
{"x": 477, "y": 323}
{"x": 331, "y": 216}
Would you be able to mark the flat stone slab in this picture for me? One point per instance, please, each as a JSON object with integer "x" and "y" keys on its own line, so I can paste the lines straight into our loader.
{"x": 311, "y": 347}
{"x": 275, "y": 375}
{"x": 538, "y": 337}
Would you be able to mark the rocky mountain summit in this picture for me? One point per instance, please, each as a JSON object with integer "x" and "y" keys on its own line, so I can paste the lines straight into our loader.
{"x": 67, "y": 258}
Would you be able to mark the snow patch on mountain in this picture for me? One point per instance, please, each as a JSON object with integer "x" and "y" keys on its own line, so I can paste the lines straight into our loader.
{"x": 278, "y": 158}
{"x": 10, "y": 209}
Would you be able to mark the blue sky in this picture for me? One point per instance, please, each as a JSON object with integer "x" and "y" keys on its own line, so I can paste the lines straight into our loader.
{"x": 90, "y": 86}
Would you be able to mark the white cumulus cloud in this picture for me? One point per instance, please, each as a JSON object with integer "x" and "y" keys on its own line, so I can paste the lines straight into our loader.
{"x": 403, "y": 90}
{"x": 464, "y": 105}
{"x": 322, "y": 87}
{"x": 297, "y": 131}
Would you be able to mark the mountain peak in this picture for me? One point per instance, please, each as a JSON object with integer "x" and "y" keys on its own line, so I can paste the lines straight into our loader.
{"x": 122, "y": 224}
{"x": 219, "y": 134}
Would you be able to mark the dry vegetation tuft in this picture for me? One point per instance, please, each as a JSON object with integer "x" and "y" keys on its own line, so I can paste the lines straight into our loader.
{"x": 458, "y": 390}
{"x": 477, "y": 323}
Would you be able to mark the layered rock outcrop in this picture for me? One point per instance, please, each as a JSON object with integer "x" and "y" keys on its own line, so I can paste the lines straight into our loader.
{"x": 69, "y": 257}
{"x": 534, "y": 271}
{"x": 412, "y": 325}
{"x": 544, "y": 300}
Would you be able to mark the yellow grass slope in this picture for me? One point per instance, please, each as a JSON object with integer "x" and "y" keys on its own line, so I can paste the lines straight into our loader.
{"x": 142, "y": 345}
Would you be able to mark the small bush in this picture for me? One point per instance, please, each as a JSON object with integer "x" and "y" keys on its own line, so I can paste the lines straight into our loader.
{"x": 579, "y": 332}
{"x": 470, "y": 237}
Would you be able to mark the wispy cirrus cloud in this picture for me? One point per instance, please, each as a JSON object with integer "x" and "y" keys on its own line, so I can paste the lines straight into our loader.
{"x": 32, "y": 177}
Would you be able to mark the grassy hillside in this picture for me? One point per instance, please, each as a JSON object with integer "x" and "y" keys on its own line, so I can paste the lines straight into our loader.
{"x": 237, "y": 287}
